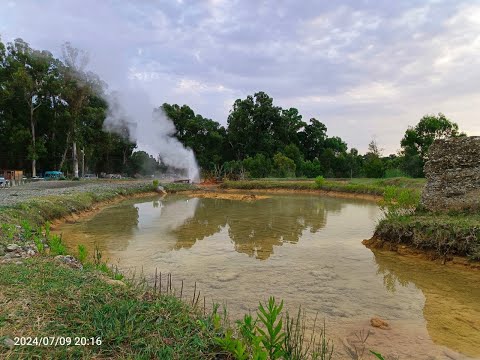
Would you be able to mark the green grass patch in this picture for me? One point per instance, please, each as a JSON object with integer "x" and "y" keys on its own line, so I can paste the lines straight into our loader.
{"x": 356, "y": 186}
{"x": 447, "y": 234}
{"x": 43, "y": 298}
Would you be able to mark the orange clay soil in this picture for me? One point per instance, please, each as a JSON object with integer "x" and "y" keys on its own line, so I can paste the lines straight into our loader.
{"x": 412, "y": 252}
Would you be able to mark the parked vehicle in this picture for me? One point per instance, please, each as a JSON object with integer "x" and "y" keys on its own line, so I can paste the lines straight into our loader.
{"x": 54, "y": 175}
{"x": 114, "y": 176}
{"x": 90, "y": 176}
{"x": 3, "y": 182}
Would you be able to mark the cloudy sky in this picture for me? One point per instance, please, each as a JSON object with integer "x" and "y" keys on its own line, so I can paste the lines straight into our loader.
{"x": 364, "y": 68}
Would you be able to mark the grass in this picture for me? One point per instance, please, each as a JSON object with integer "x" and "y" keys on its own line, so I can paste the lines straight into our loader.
{"x": 43, "y": 299}
{"x": 447, "y": 234}
{"x": 357, "y": 186}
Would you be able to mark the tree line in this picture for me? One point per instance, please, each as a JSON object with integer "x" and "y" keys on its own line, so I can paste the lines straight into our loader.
{"x": 265, "y": 140}
{"x": 53, "y": 113}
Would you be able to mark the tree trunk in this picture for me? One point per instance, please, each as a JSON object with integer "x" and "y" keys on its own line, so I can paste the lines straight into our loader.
{"x": 75, "y": 160}
{"x": 64, "y": 156}
{"x": 34, "y": 160}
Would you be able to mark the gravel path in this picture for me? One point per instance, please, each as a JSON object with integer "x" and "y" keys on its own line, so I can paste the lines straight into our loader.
{"x": 18, "y": 194}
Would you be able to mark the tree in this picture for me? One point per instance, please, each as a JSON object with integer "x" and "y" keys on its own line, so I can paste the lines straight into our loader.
{"x": 293, "y": 152}
{"x": 284, "y": 166}
{"x": 204, "y": 136}
{"x": 312, "y": 139}
{"x": 30, "y": 71}
{"x": 253, "y": 126}
{"x": 259, "y": 166}
{"x": 77, "y": 88}
{"x": 417, "y": 140}
{"x": 373, "y": 165}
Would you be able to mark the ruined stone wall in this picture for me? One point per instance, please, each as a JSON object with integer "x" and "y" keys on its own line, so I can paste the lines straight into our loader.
{"x": 453, "y": 175}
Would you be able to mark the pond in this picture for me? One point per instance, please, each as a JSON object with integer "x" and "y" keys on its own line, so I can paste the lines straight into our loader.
{"x": 304, "y": 249}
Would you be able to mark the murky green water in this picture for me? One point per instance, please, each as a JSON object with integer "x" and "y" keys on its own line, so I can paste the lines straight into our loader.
{"x": 304, "y": 249}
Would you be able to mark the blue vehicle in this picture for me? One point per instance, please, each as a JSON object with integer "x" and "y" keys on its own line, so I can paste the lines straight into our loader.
{"x": 53, "y": 175}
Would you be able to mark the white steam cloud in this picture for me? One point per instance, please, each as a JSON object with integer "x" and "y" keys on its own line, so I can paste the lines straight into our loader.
{"x": 132, "y": 114}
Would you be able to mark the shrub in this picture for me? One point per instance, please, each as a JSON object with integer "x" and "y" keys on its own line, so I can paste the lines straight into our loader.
{"x": 284, "y": 166}
{"x": 319, "y": 181}
{"x": 397, "y": 201}
{"x": 56, "y": 246}
{"x": 156, "y": 183}
{"x": 82, "y": 253}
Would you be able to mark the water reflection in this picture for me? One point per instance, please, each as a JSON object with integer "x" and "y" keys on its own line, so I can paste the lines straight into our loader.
{"x": 452, "y": 307}
{"x": 255, "y": 228}
{"x": 304, "y": 249}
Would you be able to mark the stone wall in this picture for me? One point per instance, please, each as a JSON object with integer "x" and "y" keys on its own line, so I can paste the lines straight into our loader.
{"x": 453, "y": 175}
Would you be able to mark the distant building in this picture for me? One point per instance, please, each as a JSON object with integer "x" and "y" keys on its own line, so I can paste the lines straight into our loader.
{"x": 10, "y": 175}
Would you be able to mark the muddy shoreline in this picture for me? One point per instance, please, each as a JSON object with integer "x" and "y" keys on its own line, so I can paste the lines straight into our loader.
{"x": 378, "y": 244}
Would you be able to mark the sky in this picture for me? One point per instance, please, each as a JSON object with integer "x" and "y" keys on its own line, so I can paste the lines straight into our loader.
{"x": 366, "y": 69}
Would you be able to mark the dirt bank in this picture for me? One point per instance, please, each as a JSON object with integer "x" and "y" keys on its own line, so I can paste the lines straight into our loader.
{"x": 227, "y": 195}
{"x": 376, "y": 243}
{"x": 340, "y": 194}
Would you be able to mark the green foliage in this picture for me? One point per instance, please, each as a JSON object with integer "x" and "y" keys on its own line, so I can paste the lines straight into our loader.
{"x": 272, "y": 334}
{"x": 284, "y": 166}
{"x": 27, "y": 230}
{"x": 311, "y": 169}
{"x": 39, "y": 244}
{"x": 268, "y": 337}
{"x": 258, "y": 166}
{"x": 155, "y": 183}
{"x": 397, "y": 201}
{"x": 417, "y": 140}
{"x": 319, "y": 181}
{"x": 377, "y": 355}
{"x": 56, "y": 245}
{"x": 8, "y": 230}
{"x": 82, "y": 253}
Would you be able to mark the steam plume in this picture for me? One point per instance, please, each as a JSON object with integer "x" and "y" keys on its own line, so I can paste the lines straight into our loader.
{"x": 131, "y": 112}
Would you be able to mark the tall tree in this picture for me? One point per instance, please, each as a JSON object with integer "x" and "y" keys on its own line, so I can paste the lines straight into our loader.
{"x": 417, "y": 140}
{"x": 30, "y": 71}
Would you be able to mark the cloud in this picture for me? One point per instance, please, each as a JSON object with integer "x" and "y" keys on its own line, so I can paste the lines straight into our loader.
{"x": 363, "y": 68}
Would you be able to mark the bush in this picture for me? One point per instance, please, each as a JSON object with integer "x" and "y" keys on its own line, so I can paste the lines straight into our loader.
{"x": 82, "y": 253}
{"x": 156, "y": 183}
{"x": 56, "y": 246}
{"x": 397, "y": 201}
{"x": 319, "y": 181}
{"x": 284, "y": 166}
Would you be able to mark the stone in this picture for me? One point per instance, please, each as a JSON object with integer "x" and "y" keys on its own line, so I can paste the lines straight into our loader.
{"x": 452, "y": 171}
{"x": 8, "y": 343}
{"x": 379, "y": 323}
{"x": 70, "y": 261}
{"x": 13, "y": 247}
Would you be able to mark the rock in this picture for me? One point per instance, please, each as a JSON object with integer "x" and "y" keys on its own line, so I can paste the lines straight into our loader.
{"x": 30, "y": 252}
{"x": 8, "y": 343}
{"x": 160, "y": 189}
{"x": 379, "y": 323}
{"x": 70, "y": 261}
{"x": 13, "y": 247}
{"x": 453, "y": 175}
